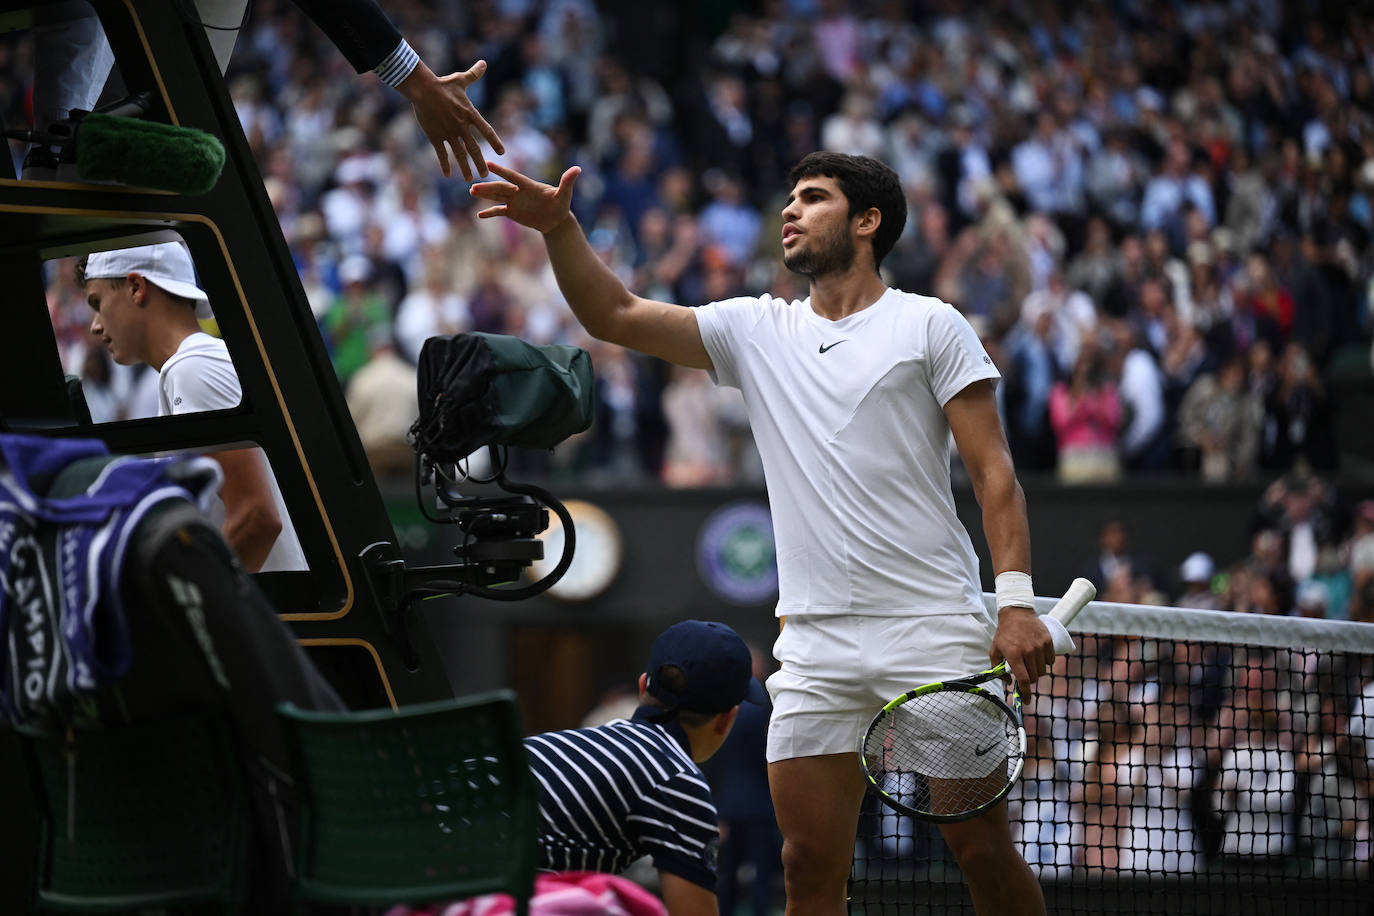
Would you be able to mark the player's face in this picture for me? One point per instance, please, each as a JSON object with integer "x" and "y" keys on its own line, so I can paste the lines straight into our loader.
{"x": 817, "y": 233}
{"x": 117, "y": 322}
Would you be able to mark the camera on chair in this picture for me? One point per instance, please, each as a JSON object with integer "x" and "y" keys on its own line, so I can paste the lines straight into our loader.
{"x": 495, "y": 392}
{"x": 500, "y": 533}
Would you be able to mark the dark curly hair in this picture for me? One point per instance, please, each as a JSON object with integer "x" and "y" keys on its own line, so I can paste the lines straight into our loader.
{"x": 866, "y": 183}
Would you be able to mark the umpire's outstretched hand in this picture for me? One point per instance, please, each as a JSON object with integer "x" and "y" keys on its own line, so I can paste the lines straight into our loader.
{"x": 446, "y": 115}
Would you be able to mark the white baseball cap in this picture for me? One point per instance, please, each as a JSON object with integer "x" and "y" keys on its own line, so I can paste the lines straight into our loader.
{"x": 1197, "y": 568}
{"x": 166, "y": 265}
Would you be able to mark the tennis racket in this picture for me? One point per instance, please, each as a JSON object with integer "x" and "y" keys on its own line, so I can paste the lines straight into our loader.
{"x": 948, "y": 751}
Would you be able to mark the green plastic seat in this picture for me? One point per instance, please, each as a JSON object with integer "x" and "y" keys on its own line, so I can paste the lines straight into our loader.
{"x": 433, "y": 802}
{"x": 140, "y": 816}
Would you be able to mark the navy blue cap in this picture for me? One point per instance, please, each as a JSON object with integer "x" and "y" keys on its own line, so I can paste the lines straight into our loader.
{"x": 717, "y": 668}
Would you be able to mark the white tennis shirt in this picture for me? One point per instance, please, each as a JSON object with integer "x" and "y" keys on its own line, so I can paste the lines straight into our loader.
{"x": 200, "y": 376}
{"x": 849, "y": 420}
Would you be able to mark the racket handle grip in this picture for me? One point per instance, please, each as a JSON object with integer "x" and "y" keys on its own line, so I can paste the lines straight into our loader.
{"x": 1080, "y": 592}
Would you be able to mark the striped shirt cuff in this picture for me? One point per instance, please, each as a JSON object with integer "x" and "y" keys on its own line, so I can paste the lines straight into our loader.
{"x": 397, "y": 65}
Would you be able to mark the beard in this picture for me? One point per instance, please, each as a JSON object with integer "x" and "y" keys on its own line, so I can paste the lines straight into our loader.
{"x": 830, "y": 253}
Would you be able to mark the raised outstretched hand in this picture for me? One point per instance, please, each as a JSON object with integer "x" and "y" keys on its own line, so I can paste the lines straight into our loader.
{"x": 445, "y": 114}
{"x": 530, "y": 203}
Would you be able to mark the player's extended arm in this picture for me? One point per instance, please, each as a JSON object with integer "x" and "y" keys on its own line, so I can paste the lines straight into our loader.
{"x": 1021, "y": 638}
{"x": 683, "y": 898}
{"x": 600, "y": 301}
{"x": 251, "y": 522}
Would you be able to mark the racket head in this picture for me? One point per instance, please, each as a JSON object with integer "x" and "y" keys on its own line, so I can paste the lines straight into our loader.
{"x": 946, "y": 752}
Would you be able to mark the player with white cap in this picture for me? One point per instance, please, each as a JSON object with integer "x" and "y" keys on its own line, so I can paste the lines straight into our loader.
{"x": 147, "y": 305}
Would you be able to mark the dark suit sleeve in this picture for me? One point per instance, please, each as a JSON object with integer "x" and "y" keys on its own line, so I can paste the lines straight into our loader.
{"x": 358, "y": 28}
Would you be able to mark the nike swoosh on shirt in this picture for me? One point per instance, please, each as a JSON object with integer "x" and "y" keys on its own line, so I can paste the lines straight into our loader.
{"x": 834, "y": 345}
{"x": 980, "y": 751}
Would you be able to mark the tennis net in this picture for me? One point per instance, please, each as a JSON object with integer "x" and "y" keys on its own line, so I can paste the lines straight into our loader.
{"x": 1178, "y": 762}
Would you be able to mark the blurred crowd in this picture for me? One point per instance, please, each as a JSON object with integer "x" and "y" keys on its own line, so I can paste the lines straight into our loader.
{"x": 1157, "y": 216}
{"x": 1307, "y": 553}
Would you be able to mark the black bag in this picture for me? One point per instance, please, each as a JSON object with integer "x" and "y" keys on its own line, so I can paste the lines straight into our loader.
{"x": 481, "y": 389}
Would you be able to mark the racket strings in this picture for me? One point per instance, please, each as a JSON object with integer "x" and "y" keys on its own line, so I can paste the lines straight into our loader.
{"x": 944, "y": 753}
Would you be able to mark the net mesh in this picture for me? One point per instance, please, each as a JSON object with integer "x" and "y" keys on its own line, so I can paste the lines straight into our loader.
{"x": 1178, "y": 761}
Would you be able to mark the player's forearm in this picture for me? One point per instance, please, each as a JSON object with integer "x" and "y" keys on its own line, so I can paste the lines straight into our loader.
{"x": 251, "y": 532}
{"x": 594, "y": 293}
{"x": 1006, "y": 523}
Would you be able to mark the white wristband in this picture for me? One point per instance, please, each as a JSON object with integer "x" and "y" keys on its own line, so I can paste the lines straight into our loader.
{"x": 1014, "y": 590}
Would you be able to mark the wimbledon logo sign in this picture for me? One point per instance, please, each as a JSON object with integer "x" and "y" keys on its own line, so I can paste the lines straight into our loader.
{"x": 736, "y": 555}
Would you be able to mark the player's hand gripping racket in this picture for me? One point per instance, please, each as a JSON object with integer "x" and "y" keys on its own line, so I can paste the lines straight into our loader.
{"x": 950, "y": 750}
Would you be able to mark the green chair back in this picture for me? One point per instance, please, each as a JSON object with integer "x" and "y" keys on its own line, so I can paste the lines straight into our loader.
{"x": 432, "y": 802}
{"x": 140, "y": 816}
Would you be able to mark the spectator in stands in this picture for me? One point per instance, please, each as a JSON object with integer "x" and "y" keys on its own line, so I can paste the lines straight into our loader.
{"x": 918, "y": 254}
{"x": 1362, "y": 602}
{"x": 1073, "y": 316}
{"x": 1254, "y": 789}
{"x": 987, "y": 273}
{"x": 1144, "y": 438}
{"x": 1173, "y": 188}
{"x": 1028, "y": 372}
{"x": 381, "y": 397}
{"x": 1332, "y": 761}
{"x": 1266, "y": 303}
{"x": 728, "y": 219}
{"x": 696, "y": 453}
{"x": 1043, "y": 823}
{"x": 1093, "y": 270}
{"x": 1361, "y": 544}
{"x": 1115, "y": 174}
{"x": 354, "y": 318}
{"x": 1155, "y": 780}
{"x": 1219, "y": 423}
{"x": 1104, "y": 795}
{"x": 347, "y": 208}
{"x": 103, "y": 399}
{"x": 1300, "y": 507}
{"x": 1085, "y": 413}
{"x": 430, "y": 310}
{"x": 1114, "y": 555}
{"x": 1297, "y": 416}
{"x": 1049, "y": 167}
{"x": 1312, "y": 599}
{"x": 1195, "y": 574}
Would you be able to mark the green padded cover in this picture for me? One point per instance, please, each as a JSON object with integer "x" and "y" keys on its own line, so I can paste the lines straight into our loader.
{"x": 481, "y": 389}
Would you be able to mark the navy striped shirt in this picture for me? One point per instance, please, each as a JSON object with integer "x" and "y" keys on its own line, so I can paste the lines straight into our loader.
{"x": 612, "y": 794}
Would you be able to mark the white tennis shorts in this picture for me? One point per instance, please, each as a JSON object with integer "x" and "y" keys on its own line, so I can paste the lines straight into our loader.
{"x": 838, "y": 671}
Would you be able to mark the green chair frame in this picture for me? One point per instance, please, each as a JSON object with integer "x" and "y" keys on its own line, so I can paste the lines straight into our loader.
{"x": 432, "y": 802}
{"x": 139, "y": 816}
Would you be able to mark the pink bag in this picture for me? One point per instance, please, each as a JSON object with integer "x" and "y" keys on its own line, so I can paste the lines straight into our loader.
{"x": 571, "y": 893}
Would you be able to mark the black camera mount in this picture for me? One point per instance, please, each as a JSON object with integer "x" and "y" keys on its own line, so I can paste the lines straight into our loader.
{"x": 499, "y": 541}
